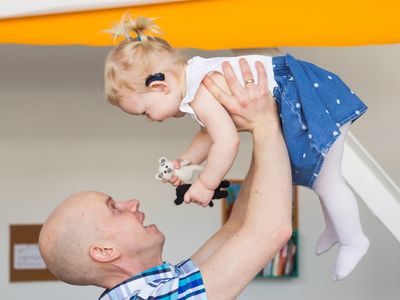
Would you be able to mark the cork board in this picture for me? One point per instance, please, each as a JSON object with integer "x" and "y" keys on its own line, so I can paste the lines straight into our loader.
{"x": 25, "y": 261}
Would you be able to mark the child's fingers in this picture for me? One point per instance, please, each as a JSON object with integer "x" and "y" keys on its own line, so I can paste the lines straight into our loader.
{"x": 177, "y": 163}
{"x": 186, "y": 198}
{"x": 177, "y": 182}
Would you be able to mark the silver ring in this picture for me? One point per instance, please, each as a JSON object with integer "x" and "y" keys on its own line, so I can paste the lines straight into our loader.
{"x": 251, "y": 80}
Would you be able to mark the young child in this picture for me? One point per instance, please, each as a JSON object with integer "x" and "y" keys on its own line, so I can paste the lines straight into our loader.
{"x": 145, "y": 76}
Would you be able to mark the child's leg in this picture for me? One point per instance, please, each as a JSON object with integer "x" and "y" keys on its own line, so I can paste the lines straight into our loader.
{"x": 329, "y": 237}
{"x": 342, "y": 211}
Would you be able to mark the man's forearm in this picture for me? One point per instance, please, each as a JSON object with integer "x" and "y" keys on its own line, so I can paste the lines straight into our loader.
{"x": 270, "y": 192}
{"x": 260, "y": 182}
{"x": 239, "y": 208}
{"x": 279, "y": 153}
{"x": 233, "y": 224}
{"x": 267, "y": 223}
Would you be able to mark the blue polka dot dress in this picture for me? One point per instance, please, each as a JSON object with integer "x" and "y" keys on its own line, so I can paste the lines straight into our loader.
{"x": 313, "y": 103}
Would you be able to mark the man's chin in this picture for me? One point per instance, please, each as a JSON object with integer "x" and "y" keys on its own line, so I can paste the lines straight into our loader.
{"x": 152, "y": 228}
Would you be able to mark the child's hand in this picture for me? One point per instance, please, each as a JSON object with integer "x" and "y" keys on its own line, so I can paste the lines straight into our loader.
{"x": 198, "y": 194}
{"x": 175, "y": 181}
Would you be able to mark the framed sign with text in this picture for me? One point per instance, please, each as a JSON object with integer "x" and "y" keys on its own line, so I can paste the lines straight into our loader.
{"x": 26, "y": 264}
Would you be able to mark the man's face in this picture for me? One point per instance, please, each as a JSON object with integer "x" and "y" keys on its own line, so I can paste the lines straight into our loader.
{"x": 123, "y": 223}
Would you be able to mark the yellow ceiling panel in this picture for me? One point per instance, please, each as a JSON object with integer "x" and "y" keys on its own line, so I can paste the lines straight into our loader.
{"x": 222, "y": 24}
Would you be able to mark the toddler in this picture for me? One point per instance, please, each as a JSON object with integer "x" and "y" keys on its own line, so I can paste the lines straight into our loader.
{"x": 145, "y": 76}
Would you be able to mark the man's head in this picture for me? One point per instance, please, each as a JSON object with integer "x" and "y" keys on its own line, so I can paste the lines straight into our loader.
{"x": 90, "y": 239}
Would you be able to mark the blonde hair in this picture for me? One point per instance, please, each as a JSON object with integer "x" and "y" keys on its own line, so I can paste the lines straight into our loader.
{"x": 130, "y": 62}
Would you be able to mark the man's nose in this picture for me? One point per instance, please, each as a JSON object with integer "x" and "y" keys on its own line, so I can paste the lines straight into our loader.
{"x": 132, "y": 205}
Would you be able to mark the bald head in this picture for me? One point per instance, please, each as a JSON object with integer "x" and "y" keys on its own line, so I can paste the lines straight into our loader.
{"x": 67, "y": 235}
{"x": 91, "y": 239}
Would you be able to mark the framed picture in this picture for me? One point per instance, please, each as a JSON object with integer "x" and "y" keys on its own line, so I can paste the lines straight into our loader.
{"x": 227, "y": 203}
{"x": 285, "y": 262}
{"x": 26, "y": 264}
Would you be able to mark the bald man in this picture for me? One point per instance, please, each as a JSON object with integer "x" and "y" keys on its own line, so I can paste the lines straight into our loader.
{"x": 91, "y": 239}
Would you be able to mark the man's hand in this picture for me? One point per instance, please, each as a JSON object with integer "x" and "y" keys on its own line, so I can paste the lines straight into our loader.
{"x": 246, "y": 117}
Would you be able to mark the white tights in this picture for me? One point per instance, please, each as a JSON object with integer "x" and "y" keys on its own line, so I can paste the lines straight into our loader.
{"x": 340, "y": 210}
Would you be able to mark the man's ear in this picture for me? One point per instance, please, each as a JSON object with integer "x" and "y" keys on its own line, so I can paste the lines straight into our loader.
{"x": 160, "y": 86}
{"x": 104, "y": 254}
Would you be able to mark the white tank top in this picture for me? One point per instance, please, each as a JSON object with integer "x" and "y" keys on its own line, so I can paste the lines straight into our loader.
{"x": 198, "y": 67}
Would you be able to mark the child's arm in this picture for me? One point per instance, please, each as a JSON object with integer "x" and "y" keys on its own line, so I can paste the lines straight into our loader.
{"x": 198, "y": 149}
{"x": 195, "y": 154}
{"x": 224, "y": 148}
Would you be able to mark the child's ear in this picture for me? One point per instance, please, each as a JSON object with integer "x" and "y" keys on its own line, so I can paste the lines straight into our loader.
{"x": 161, "y": 86}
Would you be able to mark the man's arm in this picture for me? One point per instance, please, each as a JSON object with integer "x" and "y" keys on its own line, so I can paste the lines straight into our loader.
{"x": 267, "y": 224}
{"x": 232, "y": 225}
{"x": 267, "y": 220}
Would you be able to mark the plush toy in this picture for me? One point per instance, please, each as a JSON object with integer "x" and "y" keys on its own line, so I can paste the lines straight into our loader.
{"x": 218, "y": 194}
{"x": 185, "y": 173}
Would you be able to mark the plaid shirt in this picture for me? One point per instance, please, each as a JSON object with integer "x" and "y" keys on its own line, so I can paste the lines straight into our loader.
{"x": 165, "y": 281}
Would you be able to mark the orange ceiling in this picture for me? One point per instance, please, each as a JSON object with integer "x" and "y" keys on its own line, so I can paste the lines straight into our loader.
{"x": 222, "y": 24}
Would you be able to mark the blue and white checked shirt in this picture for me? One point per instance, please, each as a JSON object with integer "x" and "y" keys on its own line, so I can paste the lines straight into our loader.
{"x": 165, "y": 282}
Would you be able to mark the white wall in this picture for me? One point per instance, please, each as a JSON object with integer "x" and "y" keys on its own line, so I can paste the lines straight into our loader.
{"x": 59, "y": 136}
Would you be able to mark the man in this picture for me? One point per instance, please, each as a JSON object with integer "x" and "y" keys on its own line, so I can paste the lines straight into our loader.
{"x": 91, "y": 239}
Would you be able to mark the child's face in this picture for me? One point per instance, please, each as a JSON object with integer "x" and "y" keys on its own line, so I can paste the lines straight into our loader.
{"x": 157, "y": 105}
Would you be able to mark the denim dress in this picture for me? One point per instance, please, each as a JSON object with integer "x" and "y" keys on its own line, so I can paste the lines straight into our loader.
{"x": 313, "y": 103}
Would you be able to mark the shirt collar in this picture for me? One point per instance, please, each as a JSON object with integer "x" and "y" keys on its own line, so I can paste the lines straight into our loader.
{"x": 133, "y": 285}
